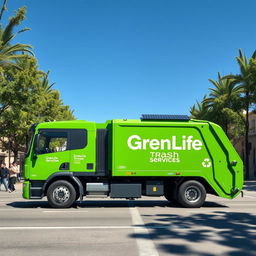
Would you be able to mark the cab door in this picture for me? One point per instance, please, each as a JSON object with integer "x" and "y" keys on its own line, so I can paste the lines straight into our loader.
{"x": 52, "y": 154}
{"x": 64, "y": 150}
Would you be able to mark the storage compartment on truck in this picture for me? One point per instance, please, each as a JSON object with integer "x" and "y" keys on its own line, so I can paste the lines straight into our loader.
{"x": 154, "y": 188}
{"x": 122, "y": 190}
{"x": 99, "y": 188}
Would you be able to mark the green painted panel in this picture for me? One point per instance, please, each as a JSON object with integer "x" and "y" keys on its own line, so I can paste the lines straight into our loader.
{"x": 26, "y": 189}
{"x": 155, "y": 150}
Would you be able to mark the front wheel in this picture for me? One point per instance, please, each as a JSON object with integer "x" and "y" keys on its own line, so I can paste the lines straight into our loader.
{"x": 61, "y": 194}
{"x": 191, "y": 194}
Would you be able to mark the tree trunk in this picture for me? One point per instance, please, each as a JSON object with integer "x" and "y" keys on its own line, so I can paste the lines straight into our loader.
{"x": 247, "y": 149}
{"x": 15, "y": 155}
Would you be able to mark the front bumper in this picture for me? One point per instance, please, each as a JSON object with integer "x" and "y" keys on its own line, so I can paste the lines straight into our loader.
{"x": 26, "y": 189}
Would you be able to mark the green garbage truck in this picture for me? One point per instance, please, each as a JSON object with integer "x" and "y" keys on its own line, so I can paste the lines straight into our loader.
{"x": 159, "y": 155}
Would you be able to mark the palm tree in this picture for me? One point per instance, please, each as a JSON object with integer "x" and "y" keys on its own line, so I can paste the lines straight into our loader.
{"x": 200, "y": 110}
{"x": 225, "y": 94}
{"x": 247, "y": 82}
{"x": 10, "y": 53}
{"x": 45, "y": 84}
{"x": 224, "y": 100}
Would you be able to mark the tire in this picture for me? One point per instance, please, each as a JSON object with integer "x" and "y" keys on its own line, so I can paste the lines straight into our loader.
{"x": 61, "y": 194}
{"x": 191, "y": 194}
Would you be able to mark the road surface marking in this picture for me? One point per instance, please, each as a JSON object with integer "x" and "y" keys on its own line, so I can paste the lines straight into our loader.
{"x": 145, "y": 245}
{"x": 84, "y": 227}
{"x": 71, "y": 227}
{"x": 62, "y": 211}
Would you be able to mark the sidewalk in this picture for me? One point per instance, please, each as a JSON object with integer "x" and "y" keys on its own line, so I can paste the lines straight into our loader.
{"x": 18, "y": 187}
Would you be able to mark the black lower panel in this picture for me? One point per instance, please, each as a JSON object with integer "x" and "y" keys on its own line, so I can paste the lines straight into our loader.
{"x": 119, "y": 190}
{"x": 36, "y": 188}
{"x": 101, "y": 151}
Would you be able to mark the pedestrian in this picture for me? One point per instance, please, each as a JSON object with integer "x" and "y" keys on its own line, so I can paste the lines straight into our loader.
{"x": 12, "y": 176}
{"x": 4, "y": 173}
{"x": 18, "y": 174}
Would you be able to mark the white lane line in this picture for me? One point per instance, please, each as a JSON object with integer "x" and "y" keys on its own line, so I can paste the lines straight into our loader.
{"x": 62, "y": 211}
{"x": 139, "y": 229}
{"x": 67, "y": 227}
{"x": 145, "y": 245}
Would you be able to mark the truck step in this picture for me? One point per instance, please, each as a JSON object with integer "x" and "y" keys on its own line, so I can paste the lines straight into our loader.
{"x": 35, "y": 197}
{"x": 96, "y": 196}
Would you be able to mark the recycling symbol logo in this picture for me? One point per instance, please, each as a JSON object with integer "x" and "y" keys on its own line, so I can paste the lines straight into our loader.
{"x": 206, "y": 163}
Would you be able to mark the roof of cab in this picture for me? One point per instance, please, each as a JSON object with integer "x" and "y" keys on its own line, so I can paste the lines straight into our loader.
{"x": 66, "y": 124}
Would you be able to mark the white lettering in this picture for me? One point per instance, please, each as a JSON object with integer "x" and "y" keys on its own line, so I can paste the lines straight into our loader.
{"x": 145, "y": 143}
{"x": 174, "y": 144}
{"x": 154, "y": 144}
{"x": 189, "y": 141}
{"x": 135, "y": 142}
{"x": 166, "y": 142}
{"x": 196, "y": 144}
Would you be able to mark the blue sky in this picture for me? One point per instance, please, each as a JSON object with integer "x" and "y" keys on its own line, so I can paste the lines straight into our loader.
{"x": 122, "y": 58}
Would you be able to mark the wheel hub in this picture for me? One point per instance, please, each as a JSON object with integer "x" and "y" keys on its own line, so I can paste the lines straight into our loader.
{"x": 61, "y": 194}
{"x": 192, "y": 194}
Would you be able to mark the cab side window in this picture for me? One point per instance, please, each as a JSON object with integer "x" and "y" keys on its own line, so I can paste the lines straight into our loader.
{"x": 59, "y": 140}
{"x": 51, "y": 142}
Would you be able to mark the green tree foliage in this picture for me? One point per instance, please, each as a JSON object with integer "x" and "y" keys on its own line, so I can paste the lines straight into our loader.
{"x": 246, "y": 81}
{"x": 225, "y": 104}
{"x": 16, "y": 85}
{"x": 28, "y": 99}
{"x": 8, "y": 52}
{"x": 201, "y": 111}
{"x": 231, "y": 96}
{"x": 26, "y": 95}
{"x": 229, "y": 120}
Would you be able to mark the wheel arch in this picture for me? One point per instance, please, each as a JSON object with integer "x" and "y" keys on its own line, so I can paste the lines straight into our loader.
{"x": 205, "y": 183}
{"x": 177, "y": 181}
{"x": 77, "y": 184}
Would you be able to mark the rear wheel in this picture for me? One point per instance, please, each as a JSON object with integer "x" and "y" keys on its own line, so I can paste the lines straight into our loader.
{"x": 191, "y": 194}
{"x": 61, "y": 194}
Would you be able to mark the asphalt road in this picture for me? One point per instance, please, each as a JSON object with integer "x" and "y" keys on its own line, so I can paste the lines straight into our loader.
{"x": 145, "y": 227}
